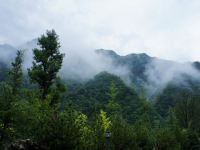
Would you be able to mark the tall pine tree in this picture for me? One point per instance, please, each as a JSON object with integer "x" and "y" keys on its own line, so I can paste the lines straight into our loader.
{"x": 47, "y": 62}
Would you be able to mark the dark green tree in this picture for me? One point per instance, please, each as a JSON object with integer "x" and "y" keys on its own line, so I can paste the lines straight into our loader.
{"x": 112, "y": 106}
{"x": 123, "y": 136}
{"x": 8, "y": 95}
{"x": 166, "y": 139}
{"x": 16, "y": 73}
{"x": 6, "y": 100}
{"x": 192, "y": 141}
{"x": 187, "y": 112}
{"x": 47, "y": 62}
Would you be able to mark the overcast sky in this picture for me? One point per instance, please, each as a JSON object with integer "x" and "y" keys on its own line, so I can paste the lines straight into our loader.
{"x": 168, "y": 29}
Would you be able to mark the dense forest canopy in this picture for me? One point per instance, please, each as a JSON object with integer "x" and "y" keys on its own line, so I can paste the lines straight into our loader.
{"x": 41, "y": 110}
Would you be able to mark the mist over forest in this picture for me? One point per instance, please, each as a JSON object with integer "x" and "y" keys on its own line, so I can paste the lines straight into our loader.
{"x": 99, "y": 75}
{"x": 99, "y": 87}
{"x": 154, "y": 74}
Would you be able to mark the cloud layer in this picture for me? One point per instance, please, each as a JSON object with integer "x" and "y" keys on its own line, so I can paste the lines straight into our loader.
{"x": 160, "y": 73}
{"x": 167, "y": 29}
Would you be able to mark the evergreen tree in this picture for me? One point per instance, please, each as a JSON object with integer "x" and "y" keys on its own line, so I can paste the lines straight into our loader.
{"x": 102, "y": 125}
{"x": 187, "y": 112}
{"x": 47, "y": 62}
{"x": 8, "y": 95}
{"x": 16, "y": 74}
{"x": 123, "y": 134}
{"x": 113, "y": 107}
{"x": 6, "y": 100}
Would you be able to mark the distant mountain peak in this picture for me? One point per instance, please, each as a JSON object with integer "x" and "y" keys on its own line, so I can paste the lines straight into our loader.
{"x": 6, "y": 46}
{"x": 106, "y": 52}
{"x": 113, "y": 53}
{"x": 138, "y": 55}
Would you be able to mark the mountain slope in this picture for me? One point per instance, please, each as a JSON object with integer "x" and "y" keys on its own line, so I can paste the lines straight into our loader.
{"x": 94, "y": 95}
{"x": 158, "y": 77}
{"x": 164, "y": 81}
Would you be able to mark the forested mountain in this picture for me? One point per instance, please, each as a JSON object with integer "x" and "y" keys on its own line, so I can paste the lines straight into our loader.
{"x": 139, "y": 64}
{"x": 141, "y": 103}
{"x": 135, "y": 63}
{"x": 94, "y": 95}
{"x": 165, "y": 95}
{"x": 141, "y": 68}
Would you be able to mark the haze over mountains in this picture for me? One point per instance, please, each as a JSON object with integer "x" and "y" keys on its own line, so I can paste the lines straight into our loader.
{"x": 99, "y": 75}
{"x": 135, "y": 69}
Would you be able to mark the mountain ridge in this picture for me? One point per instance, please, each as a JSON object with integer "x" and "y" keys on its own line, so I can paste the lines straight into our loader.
{"x": 137, "y": 68}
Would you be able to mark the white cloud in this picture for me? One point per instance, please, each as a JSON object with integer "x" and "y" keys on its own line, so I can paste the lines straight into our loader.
{"x": 167, "y": 29}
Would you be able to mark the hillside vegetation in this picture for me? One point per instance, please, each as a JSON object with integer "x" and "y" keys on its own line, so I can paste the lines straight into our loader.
{"x": 40, "y": 110}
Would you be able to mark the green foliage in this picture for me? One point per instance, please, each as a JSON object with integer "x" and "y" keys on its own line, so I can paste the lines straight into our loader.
{"x": 166, "y": 100}
{"x": 144, "y": 135}
{"x": 113, "y": 106}
{"x": 173, "y": 94}
{"x": 123, "y": 134}
{"x": 192, "y": 141}
{"x": 57, "y": 91}
{"x": 50, "y": 127}
{"x": 187, "y": 112}
{"x": 15, "y": 74}
{"x": 106, "y": 91}
{"x": 87, "y": 133}
{"x": 166, "y": 140}
{"x": 73, "y": 118}
{"x": 6, "y": 100}
{"x": 8, "y": 95}
{"x": 47, "y": 62}
{"x": 101, "y": 126}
